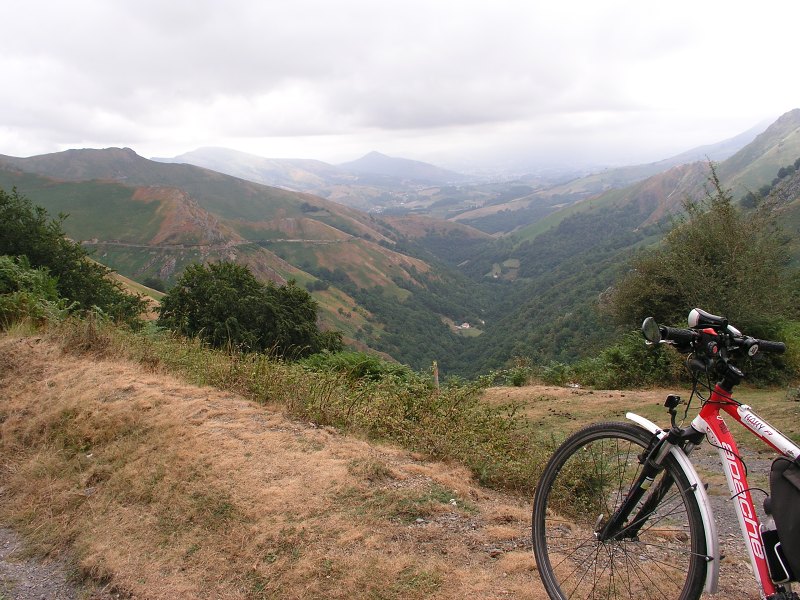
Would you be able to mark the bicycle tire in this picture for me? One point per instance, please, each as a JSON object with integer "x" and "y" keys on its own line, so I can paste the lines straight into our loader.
{"x": 582, "y": 483}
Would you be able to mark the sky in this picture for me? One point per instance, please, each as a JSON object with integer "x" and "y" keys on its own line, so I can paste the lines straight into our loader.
{"x": 460, "y": 83}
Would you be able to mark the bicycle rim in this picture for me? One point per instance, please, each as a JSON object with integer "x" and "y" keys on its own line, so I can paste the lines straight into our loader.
{"x": 581, "y": 486}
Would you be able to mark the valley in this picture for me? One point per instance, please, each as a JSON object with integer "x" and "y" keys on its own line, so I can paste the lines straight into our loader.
{"x": 529, "y": 258}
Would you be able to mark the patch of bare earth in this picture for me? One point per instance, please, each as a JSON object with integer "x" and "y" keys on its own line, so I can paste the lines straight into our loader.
{"x": 23, "y": 577}
{"x": 159, "y": 489}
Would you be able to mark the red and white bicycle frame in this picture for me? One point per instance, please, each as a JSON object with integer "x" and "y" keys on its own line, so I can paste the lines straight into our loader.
{"x": 710, "y": 422}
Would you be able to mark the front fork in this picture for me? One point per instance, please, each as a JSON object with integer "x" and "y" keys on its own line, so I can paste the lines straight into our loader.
{"x": 619, "y": 526}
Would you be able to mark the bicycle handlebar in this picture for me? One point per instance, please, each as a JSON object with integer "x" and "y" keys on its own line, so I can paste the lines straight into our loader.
{"x": 710, "y": 342}
{"x": 730, "y": 337}
{"x": 681, "y": 336}
{"x": 768, "y": 346}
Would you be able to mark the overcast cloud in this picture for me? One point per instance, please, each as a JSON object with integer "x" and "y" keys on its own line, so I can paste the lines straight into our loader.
{"x": 453, "y": 82}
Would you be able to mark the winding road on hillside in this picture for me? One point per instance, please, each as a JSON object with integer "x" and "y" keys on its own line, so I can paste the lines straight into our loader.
{"x": 262, "y": 243}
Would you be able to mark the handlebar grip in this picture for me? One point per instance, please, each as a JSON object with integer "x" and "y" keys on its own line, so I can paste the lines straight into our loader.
{"x": 767, "y": 346}
{"x": 681, "y": 336}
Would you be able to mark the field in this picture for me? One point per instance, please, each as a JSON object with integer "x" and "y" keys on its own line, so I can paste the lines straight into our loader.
{"x": 160, "y": 489}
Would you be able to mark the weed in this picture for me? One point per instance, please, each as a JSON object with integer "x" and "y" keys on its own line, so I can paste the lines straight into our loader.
{"x": 287, "y": 545}
{"x": 405, "y": 505}
{"x": 260, "y": 585}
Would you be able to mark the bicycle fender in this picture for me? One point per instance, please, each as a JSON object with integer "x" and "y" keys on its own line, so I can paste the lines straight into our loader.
{"x": 706, "y": 513}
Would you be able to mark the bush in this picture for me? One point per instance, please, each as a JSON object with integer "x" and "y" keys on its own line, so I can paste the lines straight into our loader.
{"x": 627, "y": 364}
{"x": 224, "y": 305}
{"x": 27, "y": 293}
{"x": 718, "y": 258}
{"x": 520, "y": 371}
{"x": 357, "y": 365}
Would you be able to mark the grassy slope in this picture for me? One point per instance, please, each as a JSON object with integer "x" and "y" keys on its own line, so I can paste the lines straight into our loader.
{"x": 757, "y": 163}
{"x": 164, "y": 489}
{"x": 201, "y": 225}
{"x": 168, "y": 490}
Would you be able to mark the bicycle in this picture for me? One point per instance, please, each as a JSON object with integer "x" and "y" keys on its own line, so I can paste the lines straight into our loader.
{"x": 620, "y": 511}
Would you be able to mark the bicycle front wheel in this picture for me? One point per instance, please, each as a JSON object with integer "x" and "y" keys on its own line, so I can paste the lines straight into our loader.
{"x": 660, "y": 553}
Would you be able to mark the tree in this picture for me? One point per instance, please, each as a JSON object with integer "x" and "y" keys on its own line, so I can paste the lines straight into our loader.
{"x": 716, "y": 257}
{"x": 226, "y": 306}
{"x": 27, "y": 230}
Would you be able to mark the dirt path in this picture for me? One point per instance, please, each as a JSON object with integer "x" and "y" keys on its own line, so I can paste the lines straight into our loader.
{"x": 24, "y": 578}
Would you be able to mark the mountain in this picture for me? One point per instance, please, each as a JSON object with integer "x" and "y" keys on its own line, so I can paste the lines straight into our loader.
{"x": 748, "y": 169}
{"x": 304, "y": 175}
{"x": 413, "y": 171}
{"x": 399, "y": 282}
{"x": 551, "y": 277}
{"x": 374, "y": 183}
{"x": 149, "y": 219}
{"x": 531, "y": 205}
{"x": 757, "y": 163}
{"x": 398, "y": 186}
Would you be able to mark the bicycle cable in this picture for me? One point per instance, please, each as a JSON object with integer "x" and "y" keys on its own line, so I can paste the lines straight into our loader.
{"x": 734, "y": 454}
{"x": 703, "y": 401}
{"x": 751, "y": 489}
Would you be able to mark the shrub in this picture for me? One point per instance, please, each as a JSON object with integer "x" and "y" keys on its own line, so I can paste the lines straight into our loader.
{"x": 356, "y": 365}
{"x": 224, "y": 305}
{"x": 27, "y": 293}
{"x": 718, "y": 258}
{"x": 629, "y": 363}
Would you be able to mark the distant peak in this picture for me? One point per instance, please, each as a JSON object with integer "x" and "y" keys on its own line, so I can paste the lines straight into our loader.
{"x": 113, "y": 151}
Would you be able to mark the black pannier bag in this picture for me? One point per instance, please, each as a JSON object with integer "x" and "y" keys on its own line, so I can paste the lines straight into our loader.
{"x": 784, "y": 484}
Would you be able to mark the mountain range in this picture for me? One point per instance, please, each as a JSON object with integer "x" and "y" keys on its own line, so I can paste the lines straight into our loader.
{"x": 369, "y": 183}
{"x": 521, "y": 261}
{"x": 383, "y": 184}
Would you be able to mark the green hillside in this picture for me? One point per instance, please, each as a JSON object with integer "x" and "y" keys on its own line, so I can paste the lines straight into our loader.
{"x": 546, "y": 306}
{"x": 757, "y": 163}
{"x": 151, "y": 220}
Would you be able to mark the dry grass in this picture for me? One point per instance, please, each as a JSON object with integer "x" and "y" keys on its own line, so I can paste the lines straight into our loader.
{"x": 164, "y": 489}
{"x": 563, "y": 409}
{"x": 168, "y": 490}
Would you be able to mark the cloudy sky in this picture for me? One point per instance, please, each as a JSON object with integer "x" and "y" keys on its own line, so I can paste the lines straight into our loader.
{"x": 456, "y": 82}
